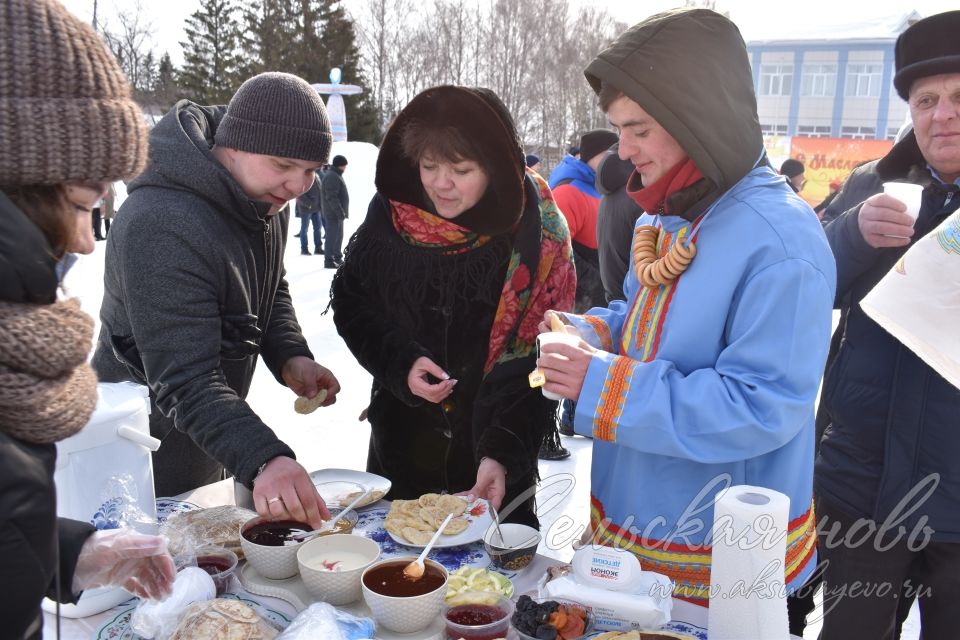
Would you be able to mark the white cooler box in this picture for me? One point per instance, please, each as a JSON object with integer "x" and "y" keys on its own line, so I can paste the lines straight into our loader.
{"x": 105, "y": 476}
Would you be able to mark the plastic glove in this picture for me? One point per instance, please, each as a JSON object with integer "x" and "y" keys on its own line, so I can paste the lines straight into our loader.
{"x": 122, "y": 557}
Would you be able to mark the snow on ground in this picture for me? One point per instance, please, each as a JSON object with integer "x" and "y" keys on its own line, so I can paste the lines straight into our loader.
{"x": 333, "y": 437}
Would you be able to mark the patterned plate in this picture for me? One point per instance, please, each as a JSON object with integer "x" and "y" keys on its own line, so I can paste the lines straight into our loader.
{"x": 370, "y": 524}
{"x": 166, "y": 507}
{"x": 119, "y": 627}
{"x": 680, "y": 627}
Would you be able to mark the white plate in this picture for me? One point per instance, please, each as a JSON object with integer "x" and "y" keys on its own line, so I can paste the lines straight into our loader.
{"x": 335, "y": 484}
{"x": 478, "y": 516}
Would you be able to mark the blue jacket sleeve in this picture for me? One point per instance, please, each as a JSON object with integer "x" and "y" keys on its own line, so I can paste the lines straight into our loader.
{"x": 758, "y": 395}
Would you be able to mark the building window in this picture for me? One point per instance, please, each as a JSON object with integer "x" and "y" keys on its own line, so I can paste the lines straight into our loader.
{"x": 776, "y": 79}
{"x": 863, "y": 80}
{"x": 858, "y": 133}
{"x": 818, "y": 80}
{"x": 817, "y": 131}
{"x": 773, "y": 129}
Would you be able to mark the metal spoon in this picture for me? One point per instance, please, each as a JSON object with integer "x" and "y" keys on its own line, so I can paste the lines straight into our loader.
{"x": 496, "y": 523}
{"x": 330, "y": 524}
{"x": 415, "y": 569}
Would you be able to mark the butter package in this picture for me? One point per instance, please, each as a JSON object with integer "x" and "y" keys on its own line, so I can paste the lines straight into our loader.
{"x": 620, "y": 595}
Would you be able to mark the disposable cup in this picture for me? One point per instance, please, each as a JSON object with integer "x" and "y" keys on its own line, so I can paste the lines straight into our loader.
{"x": 907, "y": 193}
{"x": 553, "y": 337}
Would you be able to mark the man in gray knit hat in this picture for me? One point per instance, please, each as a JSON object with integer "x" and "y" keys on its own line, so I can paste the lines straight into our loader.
{"x": 194, "y": 289}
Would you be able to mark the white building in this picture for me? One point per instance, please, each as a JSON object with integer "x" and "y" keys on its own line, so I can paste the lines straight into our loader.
{"x": 833, "y": 82}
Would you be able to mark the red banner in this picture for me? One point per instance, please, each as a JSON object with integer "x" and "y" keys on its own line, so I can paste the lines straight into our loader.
{"x": 829, "y": 159}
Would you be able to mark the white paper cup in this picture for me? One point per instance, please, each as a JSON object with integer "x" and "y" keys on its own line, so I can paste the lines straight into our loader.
{"x": 907, "y": 193}
{"x": 552, "y": 337}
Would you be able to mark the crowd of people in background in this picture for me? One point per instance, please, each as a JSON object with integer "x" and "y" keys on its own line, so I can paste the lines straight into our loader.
{"x": 700, "y": 285}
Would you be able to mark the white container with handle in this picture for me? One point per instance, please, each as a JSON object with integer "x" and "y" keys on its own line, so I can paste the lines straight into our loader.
{"x": 104, "y": 476}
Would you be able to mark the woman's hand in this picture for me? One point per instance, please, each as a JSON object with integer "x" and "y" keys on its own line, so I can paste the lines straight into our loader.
{"x": 491, "y": 482}
{"x": 420, "y": 384}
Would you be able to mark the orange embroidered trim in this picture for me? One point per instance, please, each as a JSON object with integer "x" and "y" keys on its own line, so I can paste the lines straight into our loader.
{"x": 613, "y": 398}
{"x": 689, "y": 567}
{"x": 602, "y": 329}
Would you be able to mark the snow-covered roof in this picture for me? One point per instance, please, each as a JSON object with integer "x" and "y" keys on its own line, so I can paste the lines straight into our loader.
{"x": 885, "y": 27}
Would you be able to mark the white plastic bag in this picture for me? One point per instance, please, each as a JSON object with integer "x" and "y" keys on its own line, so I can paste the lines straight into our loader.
{"x": 159, "y": 619}
{"x": 918, "y": 301}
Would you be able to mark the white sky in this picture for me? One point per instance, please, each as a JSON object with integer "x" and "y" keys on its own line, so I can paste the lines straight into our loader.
{"x": 754, "y": 18}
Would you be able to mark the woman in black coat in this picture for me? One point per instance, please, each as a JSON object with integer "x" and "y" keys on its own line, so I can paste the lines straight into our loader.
{"x": 67, "y": 127}
{"x": 439, "y": 298}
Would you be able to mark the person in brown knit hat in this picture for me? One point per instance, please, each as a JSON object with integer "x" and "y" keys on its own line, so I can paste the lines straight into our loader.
{"x": 67, "y": 127}
{"x": 194, "y": 289}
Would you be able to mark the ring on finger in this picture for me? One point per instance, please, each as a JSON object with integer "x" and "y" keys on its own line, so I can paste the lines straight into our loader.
{"x": 275, "y": 499}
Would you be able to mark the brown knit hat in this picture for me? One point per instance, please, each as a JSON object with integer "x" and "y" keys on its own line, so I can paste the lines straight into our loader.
{"x": 66, "y": 114}
{"x": 277, "y": 114}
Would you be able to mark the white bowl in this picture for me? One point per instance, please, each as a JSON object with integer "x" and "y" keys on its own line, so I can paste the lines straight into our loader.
{"x": 404, "y": 614}
{"x": 275, "y": 563}
{"x": 340, "y": 584}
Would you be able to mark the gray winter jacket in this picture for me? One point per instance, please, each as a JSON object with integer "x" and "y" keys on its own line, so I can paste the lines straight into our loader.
{"x": 336, "y": 200}
{"x": 194, "y": 290}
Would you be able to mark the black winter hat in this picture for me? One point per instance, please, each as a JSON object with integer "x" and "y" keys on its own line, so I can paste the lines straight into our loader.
{"x": 532, "y": 159}
{"x": 595, "y": 142}
{"x": 277, "y": 114}
{"x": 928, "y": 48}
{"x": 339, "y": 161}
{"x": 791, "y": 168}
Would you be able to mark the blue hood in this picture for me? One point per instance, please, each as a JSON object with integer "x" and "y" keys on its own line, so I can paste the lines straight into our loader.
{"x": 577, "y": 172}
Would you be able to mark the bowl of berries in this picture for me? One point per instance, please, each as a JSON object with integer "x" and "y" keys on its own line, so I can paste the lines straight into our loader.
{"x": 550, "y": 619}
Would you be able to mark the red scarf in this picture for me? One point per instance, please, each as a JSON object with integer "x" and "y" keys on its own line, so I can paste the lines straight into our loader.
{"x": 652, "y": 198}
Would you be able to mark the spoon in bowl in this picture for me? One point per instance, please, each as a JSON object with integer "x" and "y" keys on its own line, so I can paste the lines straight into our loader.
{"x": 496, "y": 523}
{"x": 414, "y": 570}
{"x": 330, "y": 524}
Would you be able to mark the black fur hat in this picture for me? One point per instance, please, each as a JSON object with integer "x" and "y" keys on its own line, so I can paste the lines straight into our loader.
{"x": 928, "y": 48}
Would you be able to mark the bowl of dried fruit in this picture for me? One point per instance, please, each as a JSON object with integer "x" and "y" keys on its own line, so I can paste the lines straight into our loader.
{"x": 550, "y": 619}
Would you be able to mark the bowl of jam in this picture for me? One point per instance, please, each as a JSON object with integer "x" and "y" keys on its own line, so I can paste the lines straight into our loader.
{"x": 478, "y": 616}
{"x": 400, "y": 603}
{"x": 220, "y": 563}
{"x": 269, "y": 546}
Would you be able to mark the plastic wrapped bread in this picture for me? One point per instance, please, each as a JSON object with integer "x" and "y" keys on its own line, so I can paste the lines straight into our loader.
{"x": 218, "y": 526}
{"x": 222, "y": 620}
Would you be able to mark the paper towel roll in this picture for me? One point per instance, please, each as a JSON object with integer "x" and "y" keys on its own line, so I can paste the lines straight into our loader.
{"x": 748, "y": 595}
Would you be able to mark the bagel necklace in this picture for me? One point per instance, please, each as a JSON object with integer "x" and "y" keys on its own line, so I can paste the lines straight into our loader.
{"x": 653, "y": 271}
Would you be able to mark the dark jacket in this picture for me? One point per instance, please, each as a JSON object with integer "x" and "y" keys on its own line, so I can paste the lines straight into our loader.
{"x": 32, "y": 538}
{"x": 336, "y": 200}
{"x": 194, "y": 291}
{"x": 893, "y": 419}
{"x": 312, "y": 200}
{"x": 615, "y": 222}
{"x": 394, "y": 302}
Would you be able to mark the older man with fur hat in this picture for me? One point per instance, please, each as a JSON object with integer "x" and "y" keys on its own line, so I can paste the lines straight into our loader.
{"x": 707, "y": 375}
{"x": 194, "y": 289}
{"x": 887, "y": 466}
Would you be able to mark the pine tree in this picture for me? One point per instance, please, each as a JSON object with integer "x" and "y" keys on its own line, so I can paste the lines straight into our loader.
{"x": 270, "y": 38}
{"x": 212, "y": 63}
{"x": 166, "y": 90}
